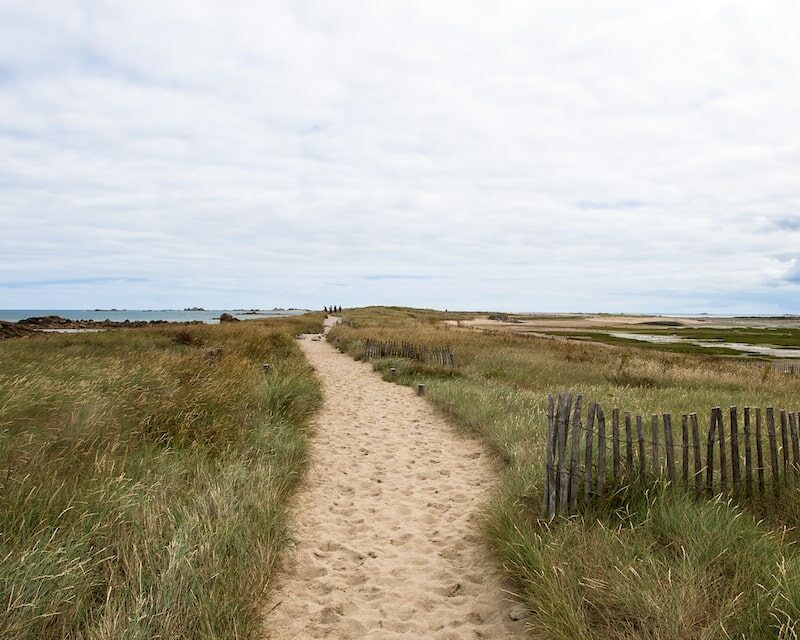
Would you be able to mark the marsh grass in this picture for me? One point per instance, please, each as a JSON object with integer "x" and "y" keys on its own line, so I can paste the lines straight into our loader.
{"x": 143, "y": 485}
{"x": 649, "y": 563}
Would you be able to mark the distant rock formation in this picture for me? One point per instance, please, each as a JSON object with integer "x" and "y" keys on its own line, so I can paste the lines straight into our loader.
{"x": 32, "y": 326}
{"x": 14, "y": 330}
{"x": 227, "y": 317}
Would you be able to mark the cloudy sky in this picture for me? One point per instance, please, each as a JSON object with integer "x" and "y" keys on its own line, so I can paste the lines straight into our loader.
{"x": 590, "y": 156}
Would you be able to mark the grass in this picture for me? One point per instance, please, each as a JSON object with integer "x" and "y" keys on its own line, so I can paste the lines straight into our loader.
{"x": 651, "y": 564}
{"x": 606, "y": 338}
{"x": 778, "y": 337}
{"x": 773, "y": 337}
{"x": 144, "y": 476}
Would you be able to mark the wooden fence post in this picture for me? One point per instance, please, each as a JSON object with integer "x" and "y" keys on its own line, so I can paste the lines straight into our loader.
{"x": 759, "y": 452}
{"x": 669, "y": 448}
{"x": 642, "y": 457}
{"x": 710, "y": 454}
{"x": 685, "y": 451}
{"x": 601, "y": 452}
{"x": 784, "y": 443}
{"x": 587, "y": 467}
{"x": 629, "y": 446}
{"x": 734, "y": 418}
{"x": 773, "y": 447}
{"x": 654, "y": 436}
{"x": 698, "y": 462}
{"x": 748, "y": 456}
{"x": 795, "y": 443}
{"x": 548, "y": 506}
{"x": 723, "y": 454}
{"x": 615, "y": 443}
{"x": 563, "y": 471}
{"x": 573, "y": 466}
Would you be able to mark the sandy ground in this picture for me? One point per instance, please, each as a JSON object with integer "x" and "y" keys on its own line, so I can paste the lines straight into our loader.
{"x": 387, "y": 545}
{"x": 532, "y": 323}
{"x": 587, "y": 322}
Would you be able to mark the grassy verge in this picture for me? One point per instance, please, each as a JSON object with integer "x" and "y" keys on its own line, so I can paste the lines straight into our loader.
{"x": 652, "y": 564}
{"x": 778, "y": 337}
{"x": 675, "y": 347}
{"x": 144, "y": 475}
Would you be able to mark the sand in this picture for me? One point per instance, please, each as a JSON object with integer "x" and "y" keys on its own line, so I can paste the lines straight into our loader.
{"x": 555, "y": 322}
{"x": 387, "y": 541}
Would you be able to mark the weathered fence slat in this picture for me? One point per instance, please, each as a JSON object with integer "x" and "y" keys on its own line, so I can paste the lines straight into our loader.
{"x": 564, "y": 405}
{"x": 723, "y": 454}
{"x": 629, "y": 446}
{"x": 615, "y": 443}
{"x": 654, "y": 436}
{"x": 576, "y": 446}
{"x": 734, "y": 426}
{"x": 773, "y": 446}
{"x": 640, "y": 436}
{"x": 587, "y": 467}
{"x": 698, "y": 462}
{"x": 669, "y": 448}
{"x": 710, "y": 454}
{"x": 795, "y": 443}
{"x": 748, "y": 456}
{"x": 550, "y": 488}
{"x": 601, "y": 452}
{"x": 784, "y": 443}
{"x": 759, "y": 452}
{"x": 685, "y": 451}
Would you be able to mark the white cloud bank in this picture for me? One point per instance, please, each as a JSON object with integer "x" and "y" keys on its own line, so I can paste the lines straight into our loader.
{"x": 614, "y": 156}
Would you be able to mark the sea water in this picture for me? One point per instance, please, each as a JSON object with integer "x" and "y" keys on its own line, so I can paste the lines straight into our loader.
{"x": 210, "y": 316}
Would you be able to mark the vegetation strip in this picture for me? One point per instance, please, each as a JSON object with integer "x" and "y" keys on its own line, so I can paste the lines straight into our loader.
{"x": 145, "y": 475}
{"x": 649, "y": 563}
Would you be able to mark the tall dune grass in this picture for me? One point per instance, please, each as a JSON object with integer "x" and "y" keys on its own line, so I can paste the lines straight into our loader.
{"x": 651, "y": 564}
{"x": 143, "y": 478}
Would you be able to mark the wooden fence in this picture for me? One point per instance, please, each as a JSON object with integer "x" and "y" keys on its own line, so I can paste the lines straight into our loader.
{"x": 790, "y": 367}
{"x": 784, "y": 366}
{"x": 577, "y": 472}
{"x": 441, "y": 356}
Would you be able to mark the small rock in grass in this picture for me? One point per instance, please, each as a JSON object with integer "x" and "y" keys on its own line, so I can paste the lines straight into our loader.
{"x": 518, "y": 612}
{"x": 213, "y": 354}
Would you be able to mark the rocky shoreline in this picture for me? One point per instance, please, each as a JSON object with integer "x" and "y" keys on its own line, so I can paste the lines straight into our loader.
{"x": 42, "y": 324}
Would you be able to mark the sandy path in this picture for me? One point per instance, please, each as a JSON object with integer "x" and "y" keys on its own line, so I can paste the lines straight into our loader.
{"x": 386, "y": 540}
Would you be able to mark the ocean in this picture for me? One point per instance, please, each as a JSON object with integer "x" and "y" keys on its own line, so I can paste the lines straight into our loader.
{"x": 210, "y": 316}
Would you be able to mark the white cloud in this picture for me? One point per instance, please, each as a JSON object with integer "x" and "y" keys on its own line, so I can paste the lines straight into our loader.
{"x": 590, "y": 156}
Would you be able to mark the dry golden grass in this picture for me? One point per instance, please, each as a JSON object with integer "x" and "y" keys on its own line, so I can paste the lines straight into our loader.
{"x": 651, "y": 564}
{"x": 144, "y": 476}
